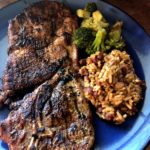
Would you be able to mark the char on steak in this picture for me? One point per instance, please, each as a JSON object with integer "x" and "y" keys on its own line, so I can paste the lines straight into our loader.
{"x": 55, "y": 116}
{"x": 39, "y": 44}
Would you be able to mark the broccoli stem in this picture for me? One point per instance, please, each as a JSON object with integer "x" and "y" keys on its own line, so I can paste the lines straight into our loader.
{"x": 99, "y": 40}
{"x": 98, "y": 43}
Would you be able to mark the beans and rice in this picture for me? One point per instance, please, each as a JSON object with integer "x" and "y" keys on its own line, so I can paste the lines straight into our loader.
{"x": 112, "y": 86}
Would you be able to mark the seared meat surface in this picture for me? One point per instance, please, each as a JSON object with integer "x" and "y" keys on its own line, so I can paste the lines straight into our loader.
{"x": 39, "y": 25}
{"x": 52, "y": 113}
{"x": 28, "y": 68}
{"x": 55, "y": 116}
{"x": 39, "y": 44}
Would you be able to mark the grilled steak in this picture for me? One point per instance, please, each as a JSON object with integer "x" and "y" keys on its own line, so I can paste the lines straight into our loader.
{"x": 40, "y": 24}
{"x": 55, "y": 116}
{"x": 40, "y": 44}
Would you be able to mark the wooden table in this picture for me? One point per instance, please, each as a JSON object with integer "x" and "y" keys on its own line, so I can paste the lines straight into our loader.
{"x": 138, "y": 9}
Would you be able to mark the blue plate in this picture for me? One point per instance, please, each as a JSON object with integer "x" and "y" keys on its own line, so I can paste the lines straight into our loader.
{"x": 135, "y": 132}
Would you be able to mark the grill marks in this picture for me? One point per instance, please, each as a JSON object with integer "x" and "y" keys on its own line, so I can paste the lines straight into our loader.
{"x": 37, "y": 25}
{"x": 60, "y": 127}
{"x": 39, "y": 41}
{"x": 50, "y": 112}
{"x": 25, "y": 72}
{"x": 36, "y": 43}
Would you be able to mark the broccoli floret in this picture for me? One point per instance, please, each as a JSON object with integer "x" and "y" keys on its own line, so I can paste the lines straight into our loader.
{"x": 98, "y": 43}
{"x": 89, "y": 50}
{"x": 97, "y": 15}
{"x": 83, "y": 13}
{"x": 91, "y": 7}
{"x": 94, "y": 24}
{"x": 82, "y": 36}
{"x": 114, "y": 37}
{"x": 115, "y": 32}
{"x": 87, "y": 12}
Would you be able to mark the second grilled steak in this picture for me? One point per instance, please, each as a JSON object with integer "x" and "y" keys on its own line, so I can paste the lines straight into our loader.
{"x": 55, "y": 116}
{"x": 39, "y": 40}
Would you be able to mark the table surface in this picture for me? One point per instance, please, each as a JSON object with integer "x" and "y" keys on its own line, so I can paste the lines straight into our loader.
{"x": 138, "y": 9}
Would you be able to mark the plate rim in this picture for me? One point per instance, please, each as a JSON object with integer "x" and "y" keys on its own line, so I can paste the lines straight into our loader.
{"x": 137, "y": 23}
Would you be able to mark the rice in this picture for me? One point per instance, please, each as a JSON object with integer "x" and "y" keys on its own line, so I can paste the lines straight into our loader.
{"x": 112, "y": 86}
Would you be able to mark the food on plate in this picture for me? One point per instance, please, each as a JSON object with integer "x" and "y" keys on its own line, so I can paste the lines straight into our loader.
{"x": 98, "y": 42}
{"x": 40, "y": 83}
{"x": 111, "y": 85}
{"x": 115, "y": 39}
{"x": 110, "y": 81}
{"x": 95, "y": 22}
{"x": 39, "y": 44}
{"x": 82, "y": 36}
{"x": 89, "y": 9}
{"x": 83, "y": 13}
{"x": 54, "y": 116}
{"x": 106, "y": 37}
{"x": 43, "y": 84}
